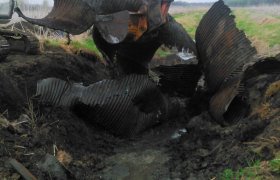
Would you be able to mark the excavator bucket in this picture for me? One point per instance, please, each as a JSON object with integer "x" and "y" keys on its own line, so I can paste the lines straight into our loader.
{"x": 116, "y": 27}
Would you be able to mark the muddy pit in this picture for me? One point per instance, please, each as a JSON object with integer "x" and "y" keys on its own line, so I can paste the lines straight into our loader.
{"x": 191, "y": 146}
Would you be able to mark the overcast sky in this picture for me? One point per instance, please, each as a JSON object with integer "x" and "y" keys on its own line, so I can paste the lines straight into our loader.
{"x": 193, "y": 1}
{"x": 40, "y": 1}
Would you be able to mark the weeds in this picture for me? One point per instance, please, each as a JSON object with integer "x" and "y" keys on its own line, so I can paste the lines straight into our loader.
{"x": 76, "y": 44}
{"x": 259, "y": 170}
{"x": 273, "y": 89}
{"x": 275, "y": 166}
{"x": 162, "y": 53}
{"x": 30, "y": 112}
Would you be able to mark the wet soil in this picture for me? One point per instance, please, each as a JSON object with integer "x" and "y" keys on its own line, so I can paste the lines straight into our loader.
{"x": 192, "y": 146}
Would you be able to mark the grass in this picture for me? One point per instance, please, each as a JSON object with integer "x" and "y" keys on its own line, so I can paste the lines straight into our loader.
{"x": 265, "y": 28}
{"x": 30, "y": 112}
{"x": 257, "y": 171}
{"x": 247, "y": 173}
{"x": 86, "y": 43}
{"x": 53, "y": 42}
{"x": 162, "y": 52}
{"x": 190, "y": 20}
{"x": 273, "y": 89}
{"x": 262, "y": 28}
{"x": 77, "y": 44}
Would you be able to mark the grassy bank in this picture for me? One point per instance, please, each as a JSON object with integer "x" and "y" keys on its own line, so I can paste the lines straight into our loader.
{"x": 256, "y": 171}
{"x": 76, "y": 44}
{"x": 261, "y": 25}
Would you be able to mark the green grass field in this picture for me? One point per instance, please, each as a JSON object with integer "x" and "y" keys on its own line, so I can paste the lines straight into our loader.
{"x": 261, "y": 25}
{"x": 257, "y": 170}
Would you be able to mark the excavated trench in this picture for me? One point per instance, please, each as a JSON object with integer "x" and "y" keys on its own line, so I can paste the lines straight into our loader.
{"x": 192, "y": 145}
{"x": 161, "y": 126}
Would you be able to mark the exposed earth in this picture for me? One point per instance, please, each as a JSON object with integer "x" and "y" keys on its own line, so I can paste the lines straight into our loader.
{"x": 192, "y": 146}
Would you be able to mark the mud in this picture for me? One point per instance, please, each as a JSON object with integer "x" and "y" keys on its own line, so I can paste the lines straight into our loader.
{"x": 192, "y": 146}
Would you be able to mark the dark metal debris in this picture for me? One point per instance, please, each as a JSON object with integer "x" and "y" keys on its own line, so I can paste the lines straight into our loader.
{"x": 173, "y": 34}
{"x": 224, "y": 52}
{"x": 223, "y": 49}
{"x": 116, "y": 20}
{"x": 125, "y": 107}
{"x": 178, "y": 79}
{"x": 4, "y": 48}
{"x": 135, "y": 57}
{"x": 73, "y": 16}
{"x": 21, "y": 41}
{"x": 127, "y": 32}
{"x": 222, "y": 102}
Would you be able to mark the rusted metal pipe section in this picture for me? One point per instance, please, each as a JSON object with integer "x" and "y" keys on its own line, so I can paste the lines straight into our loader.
{"x": 223, "y": 49}
{"x": 228, "y": 61}
{"x": 125, "y": 106}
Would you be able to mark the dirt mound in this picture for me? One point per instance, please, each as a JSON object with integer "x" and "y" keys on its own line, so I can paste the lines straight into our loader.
{"x": 48, "y": 130}
{"x": 210, "y": 148}
{"x": 23, "y": 72}
{"x": 10, "y": 96}
{"x": 61, "y": 132}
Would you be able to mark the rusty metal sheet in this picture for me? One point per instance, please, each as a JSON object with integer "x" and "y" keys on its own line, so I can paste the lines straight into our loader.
{"x": 124, "y": 107}
{"x": 74, "y": 16}
{"x": 221, "y": 102}
{"x": 133, "y": 57}
{"x": 112, "y": 6}
{"x": 268, "y": 65}
{"x": 116, "y": 20}
{"x": 154, "y": 10}
{"x": 223, "y": 49}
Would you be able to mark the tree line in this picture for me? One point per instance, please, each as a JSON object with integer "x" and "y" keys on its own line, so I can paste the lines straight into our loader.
{"x": 250, "y": 2}
{"x": 232, "y": 3}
